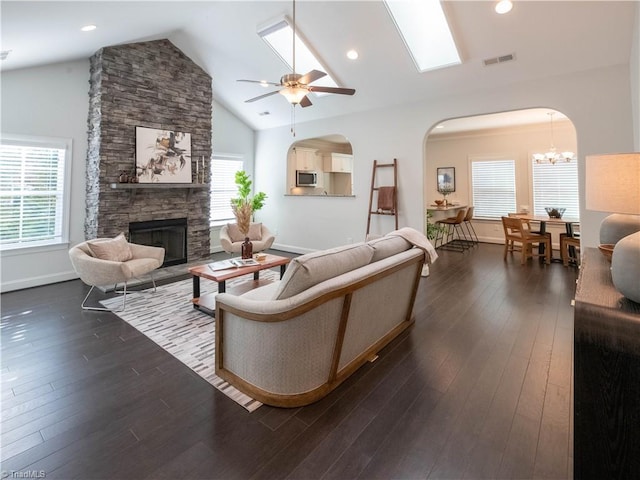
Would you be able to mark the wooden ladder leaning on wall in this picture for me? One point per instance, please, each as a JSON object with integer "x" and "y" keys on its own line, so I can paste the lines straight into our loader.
{"x": 387, "y": 196}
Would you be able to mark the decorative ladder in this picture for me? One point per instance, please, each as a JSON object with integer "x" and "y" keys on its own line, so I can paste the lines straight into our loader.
{"x": 387, "y": 208}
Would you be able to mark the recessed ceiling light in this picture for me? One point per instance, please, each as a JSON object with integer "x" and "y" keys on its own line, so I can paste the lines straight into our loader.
{"x": 262, "y": 114}
{"x": 352, "y": 54}
{"x": 440, "y": 126}
{"x": 504, "y": 6}
{"x": 88, "y": 28}
{"x": 264, "y": 83}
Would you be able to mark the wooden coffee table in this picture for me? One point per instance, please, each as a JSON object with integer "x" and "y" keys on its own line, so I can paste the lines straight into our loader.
{"x": 206, "y": 303}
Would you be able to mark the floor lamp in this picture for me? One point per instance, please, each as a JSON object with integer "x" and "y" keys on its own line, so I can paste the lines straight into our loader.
{"x": 613, "y": 185}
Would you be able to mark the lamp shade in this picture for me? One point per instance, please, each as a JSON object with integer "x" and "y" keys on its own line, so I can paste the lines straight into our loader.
{"x": 613, "y": 183}
{"x": 293, "y": 94}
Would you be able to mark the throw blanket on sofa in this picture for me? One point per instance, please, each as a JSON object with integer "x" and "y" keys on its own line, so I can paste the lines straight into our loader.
{"x": 417, "y": 239}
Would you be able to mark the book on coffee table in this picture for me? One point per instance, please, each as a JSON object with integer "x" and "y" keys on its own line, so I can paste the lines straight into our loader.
{"x": 244, "y": 262}
{"x": 232, "y": 263}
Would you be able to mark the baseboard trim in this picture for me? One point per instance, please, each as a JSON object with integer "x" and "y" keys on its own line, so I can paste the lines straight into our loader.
{"x": 39, "y": 281}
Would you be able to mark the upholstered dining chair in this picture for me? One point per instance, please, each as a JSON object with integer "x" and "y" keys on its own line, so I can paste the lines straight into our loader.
{"x": 516, "y": 231}
{"x": 231, "y": 239}
{"x": 113, "y": 261}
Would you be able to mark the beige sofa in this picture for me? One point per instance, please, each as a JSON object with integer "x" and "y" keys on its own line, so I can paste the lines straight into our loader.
{"x": 291, "y": 342}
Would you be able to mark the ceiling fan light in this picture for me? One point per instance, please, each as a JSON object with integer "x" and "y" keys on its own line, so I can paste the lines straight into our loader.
{"x": 293, "y": 95}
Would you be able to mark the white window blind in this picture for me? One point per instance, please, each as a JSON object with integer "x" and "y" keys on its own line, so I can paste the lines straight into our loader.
{"x": 555, "y": 186}
{"x": 34, "y": 185}
{"x": 494, "y": 188}
{"x": 223, "y": 186}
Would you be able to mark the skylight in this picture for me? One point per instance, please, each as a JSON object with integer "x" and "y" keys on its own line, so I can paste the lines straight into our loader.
{"x": 425, "y": 31}
{"x": 279, "y": 38}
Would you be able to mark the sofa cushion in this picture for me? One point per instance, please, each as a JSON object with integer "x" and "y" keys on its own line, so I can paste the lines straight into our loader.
{"x": 386, "y": 246}
{"x": 255, "y": 232}
{"x": 114, "y": 249}
{"x": 310, "y": 269}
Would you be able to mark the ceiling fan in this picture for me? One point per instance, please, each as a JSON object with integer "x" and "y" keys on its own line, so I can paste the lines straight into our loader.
{"x": 296, "y": 86}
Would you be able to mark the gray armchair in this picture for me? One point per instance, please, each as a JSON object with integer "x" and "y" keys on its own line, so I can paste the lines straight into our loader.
{"x": 231, "y": 239}
{"x": 137, "y": 260}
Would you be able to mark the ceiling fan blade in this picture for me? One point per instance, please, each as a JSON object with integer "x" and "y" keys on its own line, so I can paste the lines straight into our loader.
{"x": 341, "y": 91}
{"x": 311, "y": 76}
{"x": 261, "y": 82}
{"x": 261, "y": 96}
{"x": 305, "y": 102}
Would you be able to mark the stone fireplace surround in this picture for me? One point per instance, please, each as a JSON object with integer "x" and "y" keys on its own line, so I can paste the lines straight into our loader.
{"x": 151, "y": 84}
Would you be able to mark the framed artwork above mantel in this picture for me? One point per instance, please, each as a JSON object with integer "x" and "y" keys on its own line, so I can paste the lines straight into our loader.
{"x": 163, "y": 156}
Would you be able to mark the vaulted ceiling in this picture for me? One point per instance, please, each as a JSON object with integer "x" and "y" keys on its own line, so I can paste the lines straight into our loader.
{"x": 547, "y": 38}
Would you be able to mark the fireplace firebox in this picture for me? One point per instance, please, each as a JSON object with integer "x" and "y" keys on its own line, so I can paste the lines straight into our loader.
{"x": 170, "y": 234}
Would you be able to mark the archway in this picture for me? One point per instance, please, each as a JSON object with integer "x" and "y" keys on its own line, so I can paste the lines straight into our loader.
{"x": 321, "y": 166}
{"x": 455, "y": 145}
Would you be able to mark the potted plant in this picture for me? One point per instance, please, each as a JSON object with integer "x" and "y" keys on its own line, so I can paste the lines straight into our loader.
{"x": 433, "y": 229}
{"x": 244, "y": 206}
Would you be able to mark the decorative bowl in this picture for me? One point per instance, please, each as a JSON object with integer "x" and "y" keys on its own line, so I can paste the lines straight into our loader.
{"x": 439, "y": 202}
{"x": 555, "y": 212}
{"x": 606, "y": 249}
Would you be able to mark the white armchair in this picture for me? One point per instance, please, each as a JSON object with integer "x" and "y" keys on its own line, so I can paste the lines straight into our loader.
{"x": 231, "y": 239}
{"x": 108, "y": 261}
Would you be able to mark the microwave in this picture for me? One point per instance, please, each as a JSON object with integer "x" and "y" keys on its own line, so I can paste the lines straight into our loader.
{"x": 306, "y": 179}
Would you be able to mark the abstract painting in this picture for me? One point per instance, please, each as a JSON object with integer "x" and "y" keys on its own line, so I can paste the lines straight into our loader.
{"x": 163, "y": 156}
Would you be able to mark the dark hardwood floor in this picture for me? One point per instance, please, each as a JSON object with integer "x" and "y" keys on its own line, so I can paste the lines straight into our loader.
{"x": 479, "y": 387}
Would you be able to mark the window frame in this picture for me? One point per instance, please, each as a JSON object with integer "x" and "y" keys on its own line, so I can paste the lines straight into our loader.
{"x": 532, "y": 189}
{"x": 215, "y": 157}
{"x": 66, "y": 144}
{"x": 492, "y": 158}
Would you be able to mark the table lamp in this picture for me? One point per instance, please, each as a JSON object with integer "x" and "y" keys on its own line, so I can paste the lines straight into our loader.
{"x": 613, "y": 185}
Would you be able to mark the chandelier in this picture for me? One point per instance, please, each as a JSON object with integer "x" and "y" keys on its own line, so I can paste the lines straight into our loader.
{"x": 552, "y": 156}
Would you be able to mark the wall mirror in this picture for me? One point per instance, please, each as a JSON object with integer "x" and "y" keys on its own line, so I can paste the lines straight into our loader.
{"x": 321, "y": 166}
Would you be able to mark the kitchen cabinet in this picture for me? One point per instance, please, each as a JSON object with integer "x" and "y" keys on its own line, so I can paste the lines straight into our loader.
{"x": 338, "y": 163}
{"x": 307, "y": 159}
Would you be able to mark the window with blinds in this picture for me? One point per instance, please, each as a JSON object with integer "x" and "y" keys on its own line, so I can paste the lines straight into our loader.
{"x": 34, "y": 191}
{"x": 493, "y": 185}
{"x": 555, "y": 186}
{"x": 223, "y": 186}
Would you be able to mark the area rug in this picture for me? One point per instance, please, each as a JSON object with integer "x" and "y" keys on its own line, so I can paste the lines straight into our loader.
{"x": 168, "y": 318}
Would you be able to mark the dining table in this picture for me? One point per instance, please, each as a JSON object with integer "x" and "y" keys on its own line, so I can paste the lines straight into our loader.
{"x": 543, "y": 220}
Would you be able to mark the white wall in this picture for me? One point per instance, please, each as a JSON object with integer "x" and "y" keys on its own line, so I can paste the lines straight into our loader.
{"x": 597, "y": 102}
{"x": 231, "y": 135}
{"x": 50, "y": 101}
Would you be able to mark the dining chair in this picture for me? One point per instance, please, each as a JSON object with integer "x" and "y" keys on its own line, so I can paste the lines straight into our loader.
{"x": 473, "y": 236}
{"x": 453, "y": 233}
{"x": 569, "y": 247}
{"x": 516, "y": 232}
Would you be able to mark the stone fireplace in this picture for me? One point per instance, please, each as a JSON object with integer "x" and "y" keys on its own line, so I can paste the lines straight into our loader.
{"x": 151, "y": 84}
